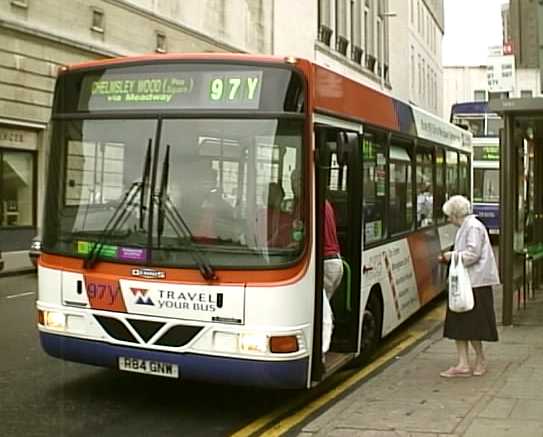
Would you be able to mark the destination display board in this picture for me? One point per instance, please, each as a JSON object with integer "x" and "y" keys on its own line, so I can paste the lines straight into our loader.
{"x": 486, "y": 153}
{"x": 119, "y": 89}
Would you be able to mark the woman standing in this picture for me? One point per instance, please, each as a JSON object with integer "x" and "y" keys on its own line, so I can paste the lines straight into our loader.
{"x": 479, "y": 324}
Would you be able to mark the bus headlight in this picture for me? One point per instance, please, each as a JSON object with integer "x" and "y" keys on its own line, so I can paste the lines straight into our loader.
{"x": 252, "y": 343}
{"x": 52, "y": 320}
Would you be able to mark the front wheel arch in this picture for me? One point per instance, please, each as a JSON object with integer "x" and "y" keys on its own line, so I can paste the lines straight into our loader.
{"x": 372, "y": 326}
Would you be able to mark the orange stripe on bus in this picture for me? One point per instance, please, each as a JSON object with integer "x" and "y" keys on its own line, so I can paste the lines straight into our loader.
{"x": 115, "y": 271}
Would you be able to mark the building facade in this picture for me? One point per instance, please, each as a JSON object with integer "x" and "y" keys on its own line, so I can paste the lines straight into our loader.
{"x": 470, "y": 83}
{"x": 368, "y": 40}
{"x": 349, "y": 36}
{"x": 416, "y": 34}
{"x": 37, "y": 40}
{"x": 522, "y": 29}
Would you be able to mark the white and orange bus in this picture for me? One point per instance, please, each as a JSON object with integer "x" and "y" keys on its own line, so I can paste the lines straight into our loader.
{"x": 163, "y": 252}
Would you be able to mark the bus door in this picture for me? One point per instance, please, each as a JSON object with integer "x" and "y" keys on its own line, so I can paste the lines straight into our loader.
{"x": 338, "y": 183}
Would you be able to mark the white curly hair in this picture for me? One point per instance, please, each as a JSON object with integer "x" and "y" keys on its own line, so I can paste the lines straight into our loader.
{"x": 457, "y": 207}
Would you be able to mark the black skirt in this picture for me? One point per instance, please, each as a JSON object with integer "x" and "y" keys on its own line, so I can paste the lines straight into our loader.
{"x": 477, "y": 324}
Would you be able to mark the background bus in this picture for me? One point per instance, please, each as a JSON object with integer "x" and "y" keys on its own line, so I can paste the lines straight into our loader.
{"x": 485, "y": 127}
{"x": 161, "y": 255}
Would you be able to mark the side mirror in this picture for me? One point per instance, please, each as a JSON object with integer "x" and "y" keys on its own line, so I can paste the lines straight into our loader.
{"x": 347, "y": 142}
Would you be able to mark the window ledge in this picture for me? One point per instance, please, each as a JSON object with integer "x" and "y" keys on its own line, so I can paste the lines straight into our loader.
{"x": 20, "y": 4}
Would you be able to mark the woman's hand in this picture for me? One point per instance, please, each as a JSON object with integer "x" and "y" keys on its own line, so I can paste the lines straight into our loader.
{"x": 444, "y": 257}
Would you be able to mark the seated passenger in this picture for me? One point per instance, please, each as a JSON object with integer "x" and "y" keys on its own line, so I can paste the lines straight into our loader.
{"x": 272, "y": 222}
{"x": 216, "y": 215}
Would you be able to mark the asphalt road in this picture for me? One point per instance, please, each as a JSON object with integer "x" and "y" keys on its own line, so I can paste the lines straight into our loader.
{"x": 44, "y": 396}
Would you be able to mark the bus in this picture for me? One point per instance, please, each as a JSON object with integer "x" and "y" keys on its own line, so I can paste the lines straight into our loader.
{"x": 485, "y": 127}
{"x": 159, "y": 256}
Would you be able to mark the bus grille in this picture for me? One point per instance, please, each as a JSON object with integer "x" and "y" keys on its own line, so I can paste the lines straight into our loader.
{"x": 176, "y": 336}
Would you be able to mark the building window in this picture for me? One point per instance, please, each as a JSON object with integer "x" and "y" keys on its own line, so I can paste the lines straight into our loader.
{"x": 498, "y": 95}
{"x": 526, "y": 93}
{"x": 160, "y": 42}
{"x": 419, "y": 17}
{"x": 412, "y": 69}
{"x": 20, "y": 3}
{"x": 423, "y": 85}
{"x": 380, "y": 43}
{"x": 341, "y": 27}
{"x": 97, "y": 24}
{"x": 419, "y": 65}
{"x": 356, "y": 31}
{"x": 16, "y": 188}
{"x": 366, "y": 30}
{"x": 479, "y": 95}
{"x": 325, "y": 22}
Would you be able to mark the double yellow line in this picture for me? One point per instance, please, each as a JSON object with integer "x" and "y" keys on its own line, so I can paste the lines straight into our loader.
{"x": 263, "y": 425}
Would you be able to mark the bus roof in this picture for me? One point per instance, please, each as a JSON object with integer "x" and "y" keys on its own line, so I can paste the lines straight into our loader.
{"x": 176, "y": 57}
{"x": 470, "y": 108}
{"x": 342, "y": 96}
{"x": 354, "y": 101}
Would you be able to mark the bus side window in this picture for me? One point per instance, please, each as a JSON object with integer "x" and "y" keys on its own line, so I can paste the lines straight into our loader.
{"x": 464, "y": 175}
{"x": 400, "y": 194}
{"x": 374, "y": 186}
{"x": 336, "y": 193}
{"x": 452, "y": 174}
{"x": 425, "y": 188}
{"x": 440, "y": 190}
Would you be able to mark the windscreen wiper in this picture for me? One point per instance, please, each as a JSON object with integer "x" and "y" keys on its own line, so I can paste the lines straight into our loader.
{"x": 168, "y": 211}
{"x": 163, "y": 193}
{"x": 122, "y": 211}
{"x": 144, "y": 192}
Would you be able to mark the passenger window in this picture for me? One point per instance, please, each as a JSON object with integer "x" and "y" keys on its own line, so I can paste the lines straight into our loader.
{"x": 452, "y": 174}
{"x": 440, "y": 189}
{"x": 425, "y": 189}
{"x": 401, "y": 192}
{"x": 464, "y": 176}
{"x": 374, "y": 183}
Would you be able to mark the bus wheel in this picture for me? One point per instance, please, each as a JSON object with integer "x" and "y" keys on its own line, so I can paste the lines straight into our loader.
{"x": 371, "y": 328}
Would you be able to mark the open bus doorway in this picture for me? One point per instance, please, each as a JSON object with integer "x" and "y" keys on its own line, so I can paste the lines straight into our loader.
{"x": 338, "y": 176}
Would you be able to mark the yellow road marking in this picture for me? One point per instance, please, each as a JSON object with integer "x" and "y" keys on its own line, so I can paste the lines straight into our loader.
{"x": 295, "y": 419}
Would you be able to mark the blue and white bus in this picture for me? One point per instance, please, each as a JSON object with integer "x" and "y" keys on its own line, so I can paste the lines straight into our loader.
{"x": 161, "y": 254}
{"x": 485, "y": 127}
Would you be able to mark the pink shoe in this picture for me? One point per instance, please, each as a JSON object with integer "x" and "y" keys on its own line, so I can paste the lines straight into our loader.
{"x": 455, "y": 372}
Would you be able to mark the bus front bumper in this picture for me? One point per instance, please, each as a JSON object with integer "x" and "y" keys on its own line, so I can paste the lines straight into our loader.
{"x": 235, "y": 371}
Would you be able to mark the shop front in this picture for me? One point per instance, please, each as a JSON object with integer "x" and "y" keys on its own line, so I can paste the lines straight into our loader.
{"x": 19, "y": 145}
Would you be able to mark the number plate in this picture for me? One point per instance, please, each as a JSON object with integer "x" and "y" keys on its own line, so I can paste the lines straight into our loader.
{"x": 148, "y": 367}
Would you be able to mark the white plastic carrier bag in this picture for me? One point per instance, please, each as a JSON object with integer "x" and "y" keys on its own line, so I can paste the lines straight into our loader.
{"x": 327, "y": 323}
{"x": 460, "y": 291}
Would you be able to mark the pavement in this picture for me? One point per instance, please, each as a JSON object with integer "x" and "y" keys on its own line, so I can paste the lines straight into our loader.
{"x": 409, "y": 398}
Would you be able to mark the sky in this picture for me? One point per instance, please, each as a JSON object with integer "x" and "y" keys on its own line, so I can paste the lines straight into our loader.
{"x": 471, "y": 26}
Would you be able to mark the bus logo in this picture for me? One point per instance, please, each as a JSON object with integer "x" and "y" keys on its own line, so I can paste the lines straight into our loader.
{"x": 142, "y": 299}
{"x": 149, "y": 273}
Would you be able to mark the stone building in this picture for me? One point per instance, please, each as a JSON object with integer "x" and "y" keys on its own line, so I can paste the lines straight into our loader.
{"x": 36, "y": 39}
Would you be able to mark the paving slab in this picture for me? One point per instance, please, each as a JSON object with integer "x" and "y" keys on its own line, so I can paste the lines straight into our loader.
{"x": 504, "y": 428}
{"x": 408, "y": 398}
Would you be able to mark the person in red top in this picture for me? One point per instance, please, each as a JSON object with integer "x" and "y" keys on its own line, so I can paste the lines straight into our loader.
{"x": 332, "y": 263}
{"x": 333, "y": 266}
{"x": 273, "y": 223}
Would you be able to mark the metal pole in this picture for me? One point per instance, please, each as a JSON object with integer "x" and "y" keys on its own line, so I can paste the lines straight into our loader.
{"x": 508, "y": 162}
